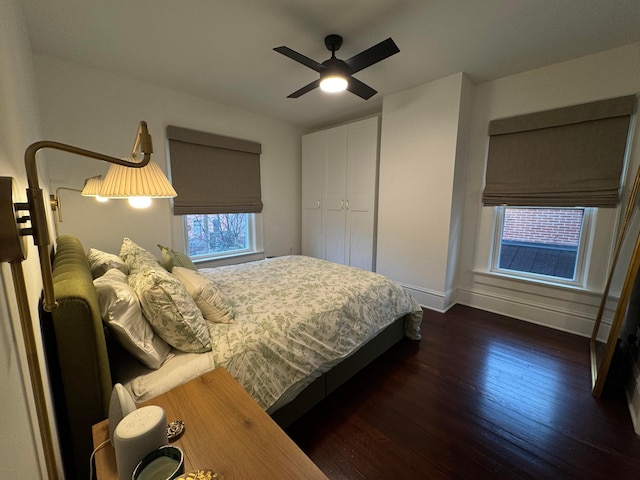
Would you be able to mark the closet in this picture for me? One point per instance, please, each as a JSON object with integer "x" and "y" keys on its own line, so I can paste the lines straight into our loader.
{"x": 339, "y": 189}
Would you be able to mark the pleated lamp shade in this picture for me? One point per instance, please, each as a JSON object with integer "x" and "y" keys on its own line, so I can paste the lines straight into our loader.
{"x": 92, "y": 186}
{"x": 146, "y": 182}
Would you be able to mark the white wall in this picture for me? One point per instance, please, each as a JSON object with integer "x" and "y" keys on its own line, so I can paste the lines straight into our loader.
{"x": 100, "y": 111}
{"x": 419, "y": 209}
{"x": 20, "y": 447}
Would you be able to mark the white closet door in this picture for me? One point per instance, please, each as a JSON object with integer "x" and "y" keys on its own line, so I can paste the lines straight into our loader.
{"x": 339, "y": 186}
{"x": 335, "y": 185}
{"x": 314, "y": 155}
{"x": 361, "y": 191}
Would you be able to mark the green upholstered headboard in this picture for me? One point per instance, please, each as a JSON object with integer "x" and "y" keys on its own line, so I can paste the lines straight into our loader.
{"x": 83, "y": 374}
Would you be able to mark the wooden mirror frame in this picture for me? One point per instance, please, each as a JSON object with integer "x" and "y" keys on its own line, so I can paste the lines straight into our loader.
{"x": 600, "y": 367}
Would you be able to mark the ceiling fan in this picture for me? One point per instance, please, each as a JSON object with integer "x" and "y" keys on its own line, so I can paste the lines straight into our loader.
{"x": 336, "y": 74}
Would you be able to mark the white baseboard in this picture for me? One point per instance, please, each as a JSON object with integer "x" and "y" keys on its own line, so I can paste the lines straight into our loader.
{"x": 431, "y": 299}
{"x": 562, "y": 318}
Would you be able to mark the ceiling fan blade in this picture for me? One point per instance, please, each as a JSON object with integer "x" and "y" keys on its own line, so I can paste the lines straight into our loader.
{"x": 372, "y": 55}
{"x": 361, "y": 89}
{"x": 305, "y": 89}
{"x": 298, "y": 57}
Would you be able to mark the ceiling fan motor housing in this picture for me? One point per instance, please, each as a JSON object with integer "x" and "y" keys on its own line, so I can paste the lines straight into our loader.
{"x": 333, "y": 42}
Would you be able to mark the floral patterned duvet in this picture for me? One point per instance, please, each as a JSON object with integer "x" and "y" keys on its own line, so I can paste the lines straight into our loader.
{"x": 297, "y": 316}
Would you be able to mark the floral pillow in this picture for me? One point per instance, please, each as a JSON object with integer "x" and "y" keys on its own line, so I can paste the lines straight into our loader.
{"x": 137, "y": 257}
{"x": 208, "y": 297}
{"x": 120, "y": 311}
{"x": 171, "y": 311}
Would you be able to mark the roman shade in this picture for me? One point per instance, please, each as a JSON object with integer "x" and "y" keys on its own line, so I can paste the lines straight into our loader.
{"x": 214, "y": 173}
{"x": 566, "y": 157}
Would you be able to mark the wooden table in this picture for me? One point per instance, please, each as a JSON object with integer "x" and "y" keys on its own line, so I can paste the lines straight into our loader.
{"x": 226, "y": 431}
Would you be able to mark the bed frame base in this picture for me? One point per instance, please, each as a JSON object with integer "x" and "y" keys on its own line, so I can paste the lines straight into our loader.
{"x": 339, "y": 374}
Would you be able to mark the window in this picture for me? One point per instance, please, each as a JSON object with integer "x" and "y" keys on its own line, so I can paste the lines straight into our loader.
{"x": 543, "y": 243}
{"x": 543, "y": 165}
{"x": 219, "y": 203}
{"x": 221, "y": 234}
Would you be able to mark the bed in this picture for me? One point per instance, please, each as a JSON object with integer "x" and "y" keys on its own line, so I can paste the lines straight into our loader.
{"x": 289, "y": 329}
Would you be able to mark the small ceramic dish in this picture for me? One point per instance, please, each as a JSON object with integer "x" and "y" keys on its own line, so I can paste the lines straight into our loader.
{"x": 164, "y": 463}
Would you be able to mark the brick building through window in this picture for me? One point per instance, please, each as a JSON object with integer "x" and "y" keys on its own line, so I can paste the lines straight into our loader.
{"x": 550, "y": 226}
{"x": 541, "y": 241}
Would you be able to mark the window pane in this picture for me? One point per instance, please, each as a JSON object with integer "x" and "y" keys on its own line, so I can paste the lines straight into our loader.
{"x": 541, "y": 241}
{"x": 219, "y": 233}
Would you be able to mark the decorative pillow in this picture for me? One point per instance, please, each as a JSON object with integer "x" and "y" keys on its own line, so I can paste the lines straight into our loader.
{"x": 208, "y": 297}
{"x": 100, "y": 262}
{"x": 172, "y": 258}
{"x": 170, "y": 310}
{"x": 137, "y": 257}
{"x": 121, "y": 311}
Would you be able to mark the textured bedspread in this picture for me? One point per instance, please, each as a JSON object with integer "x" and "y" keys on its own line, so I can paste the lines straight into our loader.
{"x": 296, "y": 317}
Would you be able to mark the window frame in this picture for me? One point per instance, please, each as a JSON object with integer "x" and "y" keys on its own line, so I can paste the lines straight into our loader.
{"x": 582, "y": 257}
{"x": 251, "y": 237}
{"x": 180, "y": 241}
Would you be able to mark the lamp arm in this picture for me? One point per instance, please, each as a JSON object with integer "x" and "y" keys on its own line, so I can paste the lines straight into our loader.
{"x": 35, "y": 200}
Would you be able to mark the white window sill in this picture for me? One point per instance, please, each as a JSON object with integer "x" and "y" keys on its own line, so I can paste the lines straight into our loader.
{"x": 498, "y": 279}
{"x": 230, "y": 259}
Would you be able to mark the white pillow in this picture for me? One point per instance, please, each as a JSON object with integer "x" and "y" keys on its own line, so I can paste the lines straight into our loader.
{"x": 100, "y": 262}
{"x": 208, "y": 297}
{"x": 120, "y": 310}
{"x": 170, "y": 310}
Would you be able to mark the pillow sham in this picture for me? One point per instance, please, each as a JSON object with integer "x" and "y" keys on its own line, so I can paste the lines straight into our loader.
{"x": 172, "y": 258}
{"x": 120, "y": 311}
{"x": 171, "y": 311}
{"x": 137, "y": 257}
{"x": 211, "y": 301}
{"x": 100, "y": 262}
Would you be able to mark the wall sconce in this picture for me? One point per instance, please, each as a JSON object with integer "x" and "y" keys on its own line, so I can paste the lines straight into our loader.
{"x": 56, "y": 205}
{"x": 13, "y": 229}
{"x": 138, "y": 185}
{"x": 92, "y": 188}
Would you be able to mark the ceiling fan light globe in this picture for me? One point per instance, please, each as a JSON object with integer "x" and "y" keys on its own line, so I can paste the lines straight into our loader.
{"x": 333, "y": 84}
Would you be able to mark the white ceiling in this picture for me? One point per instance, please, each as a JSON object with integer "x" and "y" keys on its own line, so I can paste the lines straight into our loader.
{"x": 222, "y": 49}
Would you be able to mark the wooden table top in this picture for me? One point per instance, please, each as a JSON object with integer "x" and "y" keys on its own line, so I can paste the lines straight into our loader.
{"x": 226, "y": 431}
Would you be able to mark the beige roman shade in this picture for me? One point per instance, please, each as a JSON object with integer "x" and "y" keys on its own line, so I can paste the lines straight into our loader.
{"x": 214, "y": 173}
{"x": 567, "y": 157}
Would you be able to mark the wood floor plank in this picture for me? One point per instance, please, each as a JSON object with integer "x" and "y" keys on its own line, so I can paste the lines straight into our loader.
{"x": 481, "y": 396}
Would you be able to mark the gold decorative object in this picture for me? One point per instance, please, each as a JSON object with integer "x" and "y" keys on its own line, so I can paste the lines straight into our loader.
{"x": 202, "y": 475}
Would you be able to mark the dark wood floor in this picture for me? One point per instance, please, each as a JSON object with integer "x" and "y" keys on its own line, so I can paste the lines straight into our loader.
{"x": 481, "y": 396}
